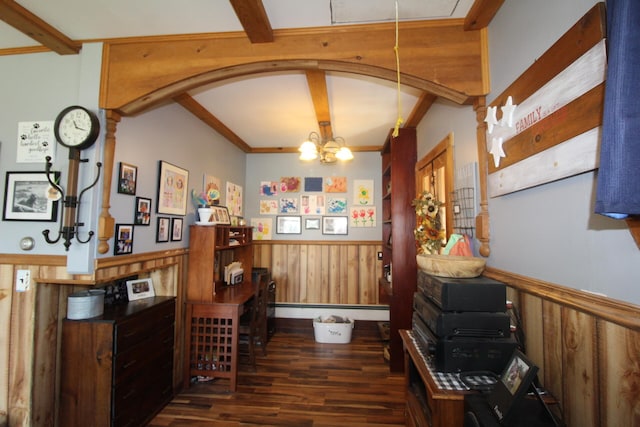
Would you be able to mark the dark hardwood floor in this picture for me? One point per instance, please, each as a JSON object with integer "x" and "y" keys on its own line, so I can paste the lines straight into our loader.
{"x": 299, "y": 383}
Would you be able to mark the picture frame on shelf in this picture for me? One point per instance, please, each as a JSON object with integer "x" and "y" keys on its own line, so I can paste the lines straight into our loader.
{"x": 221, "y": 215}
{"x": 123, "y": 239}
{"x": 29, "y": 196}
{"x": 335, "y": 225}
{"x": 127, "y": 178}
{"x": 288, "y": 224}
{"x": 163, "y": 228}
{"x": 176, "y": 229}
{"x": 173, "y": 182}
{"x": 312, "y": 223}
{"x": 142, "y": 214}
{"x": 139, "y": 289}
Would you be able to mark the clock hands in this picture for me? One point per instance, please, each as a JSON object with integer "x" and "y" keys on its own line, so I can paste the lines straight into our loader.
{"x": 77, "y": 127}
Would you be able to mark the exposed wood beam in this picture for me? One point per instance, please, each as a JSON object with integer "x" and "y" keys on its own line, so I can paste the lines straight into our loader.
{"x": 316, "y": 80}
{"x": 634, "y": 227}
{"x": 481, "y": 14}
{"x": 195, "y": 108}
{"x": 422, "y": 106}
{"x": 28, "y": 23}
{"x": 254, "y": 20}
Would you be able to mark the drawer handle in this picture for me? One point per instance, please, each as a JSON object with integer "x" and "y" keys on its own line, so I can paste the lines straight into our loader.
{"x": 129, "y": 364}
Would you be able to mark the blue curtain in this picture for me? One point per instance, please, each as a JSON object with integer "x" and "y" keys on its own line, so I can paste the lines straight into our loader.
{"x": 618, "y": 186}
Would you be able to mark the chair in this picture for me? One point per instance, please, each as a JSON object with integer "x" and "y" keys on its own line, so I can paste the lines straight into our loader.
{"x": 252, "y": 330}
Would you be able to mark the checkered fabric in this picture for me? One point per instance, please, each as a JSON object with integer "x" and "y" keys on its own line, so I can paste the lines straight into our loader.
{"x": 449, "y": 380}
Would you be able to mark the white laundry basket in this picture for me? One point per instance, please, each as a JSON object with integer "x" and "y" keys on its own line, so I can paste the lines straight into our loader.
{"x": 331, "y": 330}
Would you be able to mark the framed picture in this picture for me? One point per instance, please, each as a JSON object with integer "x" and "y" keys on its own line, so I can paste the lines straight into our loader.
{"x": 334, "y": 224}
{"x": 143, "y": 211}
{"x": 124, "y": 239}
{"x": 312, "y": 223}
{"x": 127, "y": 178}
{"x": 29, "y": 196}
{"x": 221, "y": 215}
{"x": 139, "y": 289}
{"x": 288, "y": 225}
{"x": 172, "y": 189}
{"x": 162, "y": 232}
{"x": 514, "y": 383}
{"x": 176, "y": 229}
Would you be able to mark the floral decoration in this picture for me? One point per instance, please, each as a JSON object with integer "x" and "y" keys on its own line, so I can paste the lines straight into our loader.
{"x": 428, "y": 233}
{"x": 205, "y": 198}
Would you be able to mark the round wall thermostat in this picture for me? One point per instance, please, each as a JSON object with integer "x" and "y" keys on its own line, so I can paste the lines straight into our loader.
{"x": 27, "y": 243}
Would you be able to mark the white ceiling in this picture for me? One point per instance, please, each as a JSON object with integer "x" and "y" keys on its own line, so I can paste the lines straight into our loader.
{"x": 266, "y": 110}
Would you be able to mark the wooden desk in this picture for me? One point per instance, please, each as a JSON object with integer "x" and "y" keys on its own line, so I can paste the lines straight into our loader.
{"x": 211, "y": 340}
{"x": 427, "y": 403}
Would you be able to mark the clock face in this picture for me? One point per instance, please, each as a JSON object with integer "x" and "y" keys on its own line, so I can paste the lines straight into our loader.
{"x": 76, "y": 127}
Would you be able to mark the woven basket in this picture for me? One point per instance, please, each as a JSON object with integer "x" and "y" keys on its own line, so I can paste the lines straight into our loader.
{"x": 451, "y": 266}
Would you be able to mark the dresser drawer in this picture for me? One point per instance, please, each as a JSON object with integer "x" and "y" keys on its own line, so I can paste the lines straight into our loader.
{"x": 135, "y": 329}
{"x": 140, "y": 393}
{"x": 130, "y": 362}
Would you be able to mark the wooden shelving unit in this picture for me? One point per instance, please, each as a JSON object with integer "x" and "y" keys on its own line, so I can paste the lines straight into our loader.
{"x": 213, "y": 307}
{"x": 210, "y": 249}
{"x": 399, "y": 156}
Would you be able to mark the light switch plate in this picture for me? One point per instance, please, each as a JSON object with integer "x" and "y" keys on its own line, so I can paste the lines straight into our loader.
{"x": 23, "y": 280}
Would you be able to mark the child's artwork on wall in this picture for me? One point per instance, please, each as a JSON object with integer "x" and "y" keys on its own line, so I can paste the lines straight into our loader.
{"x": 362, "y": 216}
{"x": 262, "y": 228}
{"x": 363, "y": 192}
{"x": 288, "y": 205}
{"x": 290, "y": 184}
{"x": 234, "y": 199}
{"x": 312, "y": 205}
{"x": 336, "y": 184}
{"x": 268, "y": 207}
{"x": 337, "y": 205}
{"x": 313, "y": 183}
{"x": 211, "y": 182}
{"x": 268, "y": 188}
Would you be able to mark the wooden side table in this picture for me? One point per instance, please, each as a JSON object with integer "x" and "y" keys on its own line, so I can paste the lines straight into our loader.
{"x": 428, "y": 404}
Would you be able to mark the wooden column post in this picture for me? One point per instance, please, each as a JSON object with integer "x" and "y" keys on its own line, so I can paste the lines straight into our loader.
{"x": 106, "y": 222}
{"x": 482, "y": 220}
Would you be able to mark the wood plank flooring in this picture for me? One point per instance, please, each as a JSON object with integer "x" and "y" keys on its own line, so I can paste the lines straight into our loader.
{"x": 299, "y": 383}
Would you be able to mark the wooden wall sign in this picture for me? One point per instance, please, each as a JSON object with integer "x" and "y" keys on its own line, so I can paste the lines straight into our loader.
{"x": 555, "y": 127}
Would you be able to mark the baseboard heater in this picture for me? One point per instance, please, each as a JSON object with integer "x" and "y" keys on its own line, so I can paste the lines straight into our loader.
{"x": 311, "y": 311}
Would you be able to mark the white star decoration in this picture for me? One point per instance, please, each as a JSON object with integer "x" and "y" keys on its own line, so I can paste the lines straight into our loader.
{"x": 491, "y": 118}
{"x": 496, "y": 150}
{"x": 507, "y": 113}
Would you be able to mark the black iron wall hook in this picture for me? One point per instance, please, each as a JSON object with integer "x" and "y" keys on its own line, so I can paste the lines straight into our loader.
{"x": 69, "y": 217}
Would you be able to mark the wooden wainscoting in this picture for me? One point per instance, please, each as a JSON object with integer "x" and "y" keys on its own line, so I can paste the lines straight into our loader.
{"x": 31, "y": 321}
{"x": 587, "y": 348}
{"x": 322, "y": 272}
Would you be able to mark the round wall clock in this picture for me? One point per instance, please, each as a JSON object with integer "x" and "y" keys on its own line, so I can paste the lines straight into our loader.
{"x": 76, "y": 127}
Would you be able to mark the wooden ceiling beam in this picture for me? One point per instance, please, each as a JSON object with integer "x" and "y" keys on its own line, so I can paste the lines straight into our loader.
{"x": 425, "y": 102}
{"x": 317, "y": 82}
{"x": 481, "y": 14}
{"x": 254, "y": 20}
{"x": 195, "y": 108}
{"x": 26, "y": 22}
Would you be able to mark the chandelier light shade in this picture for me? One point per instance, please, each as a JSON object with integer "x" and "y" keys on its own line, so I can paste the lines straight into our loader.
{"x": 329, "y": 150}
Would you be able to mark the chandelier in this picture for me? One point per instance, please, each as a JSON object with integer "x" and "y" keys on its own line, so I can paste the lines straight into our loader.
{"x": 329, "y": 149}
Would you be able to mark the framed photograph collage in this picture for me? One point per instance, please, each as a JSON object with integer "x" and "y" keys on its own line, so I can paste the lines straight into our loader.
{"x": 170, "y": 205}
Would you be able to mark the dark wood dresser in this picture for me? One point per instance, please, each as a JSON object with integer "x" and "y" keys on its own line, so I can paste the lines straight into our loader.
{"x": 117, "y": 369}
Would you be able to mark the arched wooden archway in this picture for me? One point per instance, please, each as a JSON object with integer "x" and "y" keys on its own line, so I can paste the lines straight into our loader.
{"x": 439, "y": 57}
